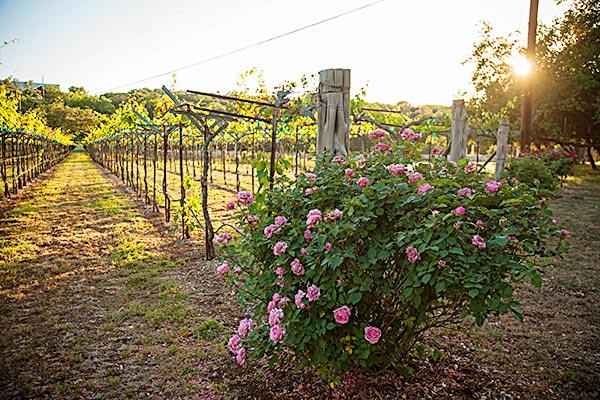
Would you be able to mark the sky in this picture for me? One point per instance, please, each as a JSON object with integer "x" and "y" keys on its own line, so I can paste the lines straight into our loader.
{"x": 399, "y": 49}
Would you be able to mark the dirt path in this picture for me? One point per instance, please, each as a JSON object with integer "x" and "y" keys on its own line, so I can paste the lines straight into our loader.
{"x": 97, "y": 302}
{"x": 92, "y": 297}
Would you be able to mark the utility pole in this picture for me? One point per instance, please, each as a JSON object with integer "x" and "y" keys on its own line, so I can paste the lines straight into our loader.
{"x": 527, "y": 110}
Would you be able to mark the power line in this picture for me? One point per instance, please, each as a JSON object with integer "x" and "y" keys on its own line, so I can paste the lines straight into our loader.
{"x": 176, "y": 40}
{"x": 239, "y": 49}
{"x": 112, "y": 44}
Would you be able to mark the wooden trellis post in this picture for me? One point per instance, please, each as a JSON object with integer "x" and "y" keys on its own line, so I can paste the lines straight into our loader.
{"x": 458, "y": 144}
{"x": 502, "y": 142}
{"x": 333, "y": 111}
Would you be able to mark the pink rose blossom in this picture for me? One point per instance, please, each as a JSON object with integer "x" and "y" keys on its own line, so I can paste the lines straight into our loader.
{"x": 310, "y": 190}
{"x": 280, "y": 248}
{"x": 237, "y": 270}
{"x": 471, "y": 167}
{"x": 223, "y": 268}
{"x": 480, "y": 223}
{"x": 230, "y": 205}
{"x": 298, "y": 299}
{"x": 252, "y": 219}
{"x": 271, "y": 230}
{"x": 457, "y": 224}
{"x": 554, "y": 220}
{"x": 335, "y": 214}
{"x": 303, "y": 251}
{"x": 513, "y": 238}
{"x": 349, "y": 172}
{"x": 460, "y": 210}
{"x": 377, "y": 133}
{"x": 424, "y": 188}
{"x": 362, "y": 182}
{"x": 245, "y": 327}
{"x": 276, "y": 297}
{"x": 313, "y": 218}
{"x": 409, "y": 134}
{"x": 280, "y": 220}
{"x": 414, "y": 177}
{"x": 338, "y": 160}
{"x": 372, "y": 334}
{"x": 310, "y": 176}
{"x": 240, "y": 356}
{"x": 478, "y": 241}
{"x": 565, "y": 233}
{"x": 233, "y": 343}
{"x": 272, "y": 304}
{"x": 275, "y": 316}
{"x": 224, "y": 238}
{"x": 342, "y": 315}
{"x": 492, "y": 186}
{"x": 397, "y": 169}
{"x": 313, "y": 293}
{"x": 297, "y": 267}
{"x": 437, "y": 151}
{"x": 308, "y": 236}
{"x": 328, "y": 246}
{"x": 276, "y": 333}
{"x": 382, "y": 147}
{"x": 245, "y": 198}
{"x": 412, "y": 254}
{"x": 279, "y": 271}
{"x": 361, "y": 162}
{"x": 465, "y": 192}
{"x": 441, "y": 264}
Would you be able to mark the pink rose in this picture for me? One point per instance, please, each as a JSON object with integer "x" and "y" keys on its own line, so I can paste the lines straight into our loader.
{"x": 245, "y": 327}
{"x": 245, "y": 198}
{"x": 409, "y": 134}
{"x": 272, "y": 304}
{"x": 492, "y": 186}
{"x": 308, "y": 236}
{"x": 224, "y": 238}
{"x": 297, "y": 267}
{"x": 313, "y": 217}
{"x": 240, "y": 356}
{"x": 223, "y": 268}
{"x": 233, "y": 343}
{"x": 512, "y": 238}
{"x": 313, "y": 293}
{"x": 338, "y": 160}
{"x": 480, "y": 223}
{"x": 276, "y": 297}
{"x": 414, "y": 177}
{"x": 465, "y": 192}
{"x": 271, "y": 230}
{"x": 303, "y": 251}
{"x": 252, "y": 219}
{"x": 424, "y": 188}
{"x": 328, "y": 246}
{"x": 382, "y": 147}
{"x": 565, "y": 233}
{"x": 460, "y": 210}
{"x": 372, "y": 334}
{"x": 441, "y": 264}
{"x": 349, "y": 172}
{"x": 412, "y": 254}
{"x": 279, "y": 271}
{"x": 335, "y": 214}
{"x": 437, "y": 151}
{"x": 478, "y": 241}
{"x": 280, "y": 248}
{"x": 230, "y": 205}
{"x": 310, "y": 190}
{"x": 298, "y": 297}
{"x": 342, "y": 315}
{"x": 275, "y": 316}
{"x": 276, "y": 333}
{"x": 280, "y": 220}
{"x": 397, "y": 169}
{"x": 362, "y": 182}
{"x": 310, "y": 176}
{"x": 361, "y": 162}
{"x": 471, "y": 167}
{"x": 377, "y": 133}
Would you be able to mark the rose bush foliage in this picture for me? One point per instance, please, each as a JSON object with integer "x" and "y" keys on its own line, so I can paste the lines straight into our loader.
{"x": 348, "y": 266}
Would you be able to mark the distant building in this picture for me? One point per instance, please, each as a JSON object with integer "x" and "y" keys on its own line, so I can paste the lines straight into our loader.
{"x": 40, "y": 87}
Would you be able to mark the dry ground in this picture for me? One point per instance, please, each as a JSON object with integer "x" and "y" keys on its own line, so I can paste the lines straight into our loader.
{"x": 99, "y": 300}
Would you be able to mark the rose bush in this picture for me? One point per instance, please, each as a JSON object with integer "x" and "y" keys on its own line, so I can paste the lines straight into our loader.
{"x": 384, "y": 247}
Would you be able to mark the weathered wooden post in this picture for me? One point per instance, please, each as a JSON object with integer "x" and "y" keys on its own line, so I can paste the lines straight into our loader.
{"x": 502, "y": 142}
{"x": 458, "y": 144}
{"x": 333, "y": 111}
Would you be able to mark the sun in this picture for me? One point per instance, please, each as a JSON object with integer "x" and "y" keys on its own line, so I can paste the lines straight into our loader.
{"x": 520, "y": 64}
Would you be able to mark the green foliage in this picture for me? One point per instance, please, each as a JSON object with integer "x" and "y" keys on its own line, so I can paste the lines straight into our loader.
{"x": 367, "y": 268}
{"x": 534, "y": 173}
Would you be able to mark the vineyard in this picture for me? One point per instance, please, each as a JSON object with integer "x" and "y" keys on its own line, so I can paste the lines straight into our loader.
{"x": 295, "y": 240}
